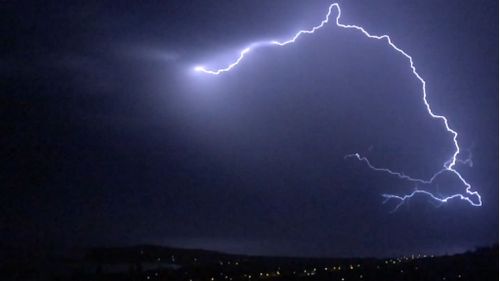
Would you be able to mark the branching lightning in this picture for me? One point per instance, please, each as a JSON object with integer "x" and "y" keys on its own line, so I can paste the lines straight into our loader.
{"x": 472, "y": 197}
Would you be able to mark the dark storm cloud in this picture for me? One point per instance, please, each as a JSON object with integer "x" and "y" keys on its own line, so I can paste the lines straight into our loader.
{"x": 110, "y": 138}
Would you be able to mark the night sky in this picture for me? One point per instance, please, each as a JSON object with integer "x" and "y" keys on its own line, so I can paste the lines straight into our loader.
{"x": 109, "y": 138}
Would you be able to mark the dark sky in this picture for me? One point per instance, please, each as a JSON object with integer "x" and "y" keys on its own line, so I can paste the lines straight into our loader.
{"x": 108, "y": 138}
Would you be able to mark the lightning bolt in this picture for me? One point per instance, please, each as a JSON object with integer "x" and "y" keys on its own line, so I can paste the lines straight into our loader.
{"x": 472, "y": 197}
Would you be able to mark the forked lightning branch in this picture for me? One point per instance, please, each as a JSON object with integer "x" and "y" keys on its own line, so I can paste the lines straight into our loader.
{"x": 449, "y": 166}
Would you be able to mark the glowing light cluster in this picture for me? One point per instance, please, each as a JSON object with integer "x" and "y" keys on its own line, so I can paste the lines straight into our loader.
{"x": 472, "y": 197}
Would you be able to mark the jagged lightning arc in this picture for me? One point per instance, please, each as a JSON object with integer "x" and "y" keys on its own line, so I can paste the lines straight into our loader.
{"x": 472, "y": 197}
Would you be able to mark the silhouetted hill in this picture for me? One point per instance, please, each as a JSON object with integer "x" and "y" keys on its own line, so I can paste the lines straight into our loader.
{"x": 150, "y": 253}
{"x": 149, "y": 262}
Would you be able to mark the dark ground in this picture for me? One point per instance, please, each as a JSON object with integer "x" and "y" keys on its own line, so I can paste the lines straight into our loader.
{"x": 162, "y": 263}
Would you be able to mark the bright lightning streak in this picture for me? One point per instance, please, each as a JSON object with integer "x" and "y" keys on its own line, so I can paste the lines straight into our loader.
{"x": 229, "y": 67}
{"x": 398, "y": 174}
{"x": 448, "y": 166}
